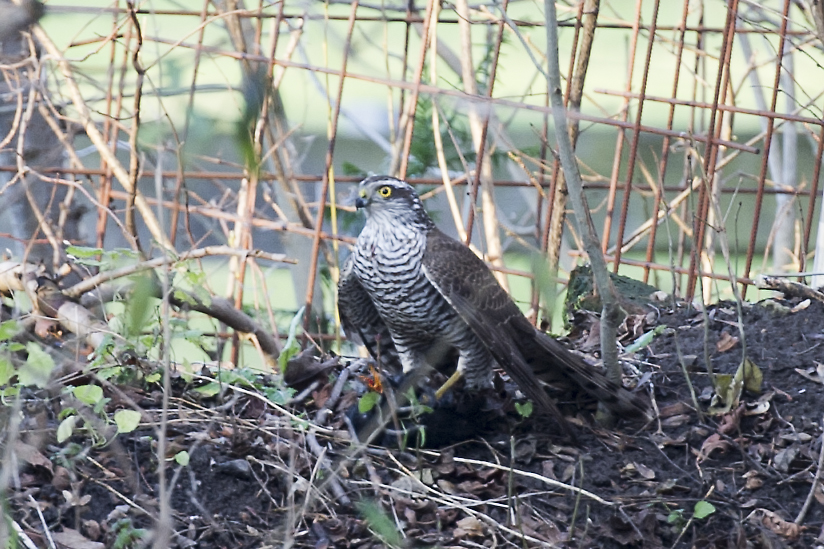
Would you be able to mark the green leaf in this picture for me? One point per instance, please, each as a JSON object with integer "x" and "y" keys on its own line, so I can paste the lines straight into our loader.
{"x": 753, "y": 378}
{"x": 66, "y": 428}
{"x": 83, "y": 251}
{"x": 153, "y": 378}
{"x": 38, "y": 367}
{"x": 6, "y": 369}
{"x": 352, "y": 169}
{"x": 644, "y": 340}
{"x": 126, "y": 420}
{"x": 182, "y": 458}
{"x": 380, "y": 523}
{"x": 676, "y": 516}
{"x": 15, "y": 347}
{"x": 292, "y": 346}
{"x": 525, "y": 409}
{"x": 209, "y": 390}
{"x": 138, "y": 305}
{"x": 279, "y": 395}
{"x": 9, "y": 393}
{"x": 703, "y": 509}
{"x": 368, "y": 401}
{"x": 8, "y": 329}
{"x": 88, "y": 394}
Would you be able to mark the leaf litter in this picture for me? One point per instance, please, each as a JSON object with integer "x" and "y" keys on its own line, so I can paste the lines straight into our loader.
{"x": 245, "y": 473}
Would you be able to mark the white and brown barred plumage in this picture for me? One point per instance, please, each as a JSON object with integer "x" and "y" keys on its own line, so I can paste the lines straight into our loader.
{"x": 410, "y": 293}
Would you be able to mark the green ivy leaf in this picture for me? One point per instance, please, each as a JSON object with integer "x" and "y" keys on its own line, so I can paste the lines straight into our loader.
{"x": 525, "y": 409}
{"x": 703, "y": 509}
{"x": 66, "y": 428}
{"x": 380, "y": 522}
{"x": 209, "y": 390}
{"x": 292, "y": 346}
{"x": 8, "y": 329}
{"x": 88, "y": 394}
{"x": 182, "y": 458}
{"x": 138, "y": 305}
{"x": 7, "y": 393}
{"x": 644, "y": 340}
{"x": 83, "y": 251}
{"x": 126, "y": 420}
{"x": 368, "y": 401}
{"x": 38, "y": 367}
{"x": 6, "y": 369}
{"x": 675, "y": 516}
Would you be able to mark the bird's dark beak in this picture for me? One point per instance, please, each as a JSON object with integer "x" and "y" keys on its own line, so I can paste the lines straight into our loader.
{"x": 360, "y": 202}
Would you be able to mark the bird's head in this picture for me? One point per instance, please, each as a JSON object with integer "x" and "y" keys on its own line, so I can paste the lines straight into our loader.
{"x": 389, "y": 200}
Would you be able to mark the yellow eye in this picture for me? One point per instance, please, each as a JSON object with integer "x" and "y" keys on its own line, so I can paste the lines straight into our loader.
{"x": 385, "y": 192}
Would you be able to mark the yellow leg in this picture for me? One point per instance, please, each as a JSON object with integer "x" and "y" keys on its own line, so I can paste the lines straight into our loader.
{"x": 449, "y": 383}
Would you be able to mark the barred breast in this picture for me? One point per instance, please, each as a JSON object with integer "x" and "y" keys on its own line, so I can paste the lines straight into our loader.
{"x": 388, "y": 263}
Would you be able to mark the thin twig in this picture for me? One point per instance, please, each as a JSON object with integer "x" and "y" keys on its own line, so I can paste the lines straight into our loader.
{"x": 817, "y": 481}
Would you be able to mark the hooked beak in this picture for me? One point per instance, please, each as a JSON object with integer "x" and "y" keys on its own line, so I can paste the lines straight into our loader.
{"x": 361, "y": 202}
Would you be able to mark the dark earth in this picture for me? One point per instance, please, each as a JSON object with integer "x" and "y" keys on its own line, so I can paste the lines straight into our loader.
{"x": 487, "y": 477}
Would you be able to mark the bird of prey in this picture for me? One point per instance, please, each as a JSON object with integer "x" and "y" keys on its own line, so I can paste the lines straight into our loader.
{"x": 410, "y": 293}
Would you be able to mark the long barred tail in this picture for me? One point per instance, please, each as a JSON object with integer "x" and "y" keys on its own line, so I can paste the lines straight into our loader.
{"x": 550, "y": 359}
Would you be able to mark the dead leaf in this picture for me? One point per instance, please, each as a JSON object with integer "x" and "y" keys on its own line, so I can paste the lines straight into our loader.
{"x": 304, "y": 367}
{"x": 468, "y": 526}
{"x": 32, "y": 456}
{"x": 410, "y": 516}
{"x": 676, "y": 409}
{"x": 785, "y": 457}
{"x": 548, "y": 469}
{"x": 780, "y": 526}
{"x": 676, "y": 421}
{"x": 819, "y": 493}
{"x": 72, "y": 539}
{"x": 761, "y": 406}
{"x": 645, "y": 471}
{"x": 726, "y": 342}
{"x": 713, "y": 442}
{"x": 731, "y": 421}
{"x": 801, "y": 306}
{"x": 727, "y": 393}
{"x": 447, "y": 487}
{"x": 728, "y": 388}
{"x": 816, "y": 375}
{"x": 322, "y": 395}
{"x": 754, "y": 482}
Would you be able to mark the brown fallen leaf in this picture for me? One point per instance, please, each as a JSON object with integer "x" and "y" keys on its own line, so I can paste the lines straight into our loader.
{"x": 816, "y": 375}
{"x": 469, "y": 526}
{"x": 753, "y": 480}
{"x": 731, "y": 421}
{"x": 677, "y": 409}
{"x": 32, "y": 456}
{"x": 645, "y": 471}
{"x": 780, "y": 526}
{"x": 713, "y": 442}
{"x": 726, "y": 342}
{"x": 72, "y": 539}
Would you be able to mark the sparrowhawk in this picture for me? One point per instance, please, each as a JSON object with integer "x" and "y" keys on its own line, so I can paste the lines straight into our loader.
{"x": 410, "y": 293}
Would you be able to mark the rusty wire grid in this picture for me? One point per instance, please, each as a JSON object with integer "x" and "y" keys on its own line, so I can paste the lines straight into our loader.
{"x": 145, "y": 126}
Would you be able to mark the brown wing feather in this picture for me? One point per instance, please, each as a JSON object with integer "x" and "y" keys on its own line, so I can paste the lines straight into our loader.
{"x": 518, "y": 347}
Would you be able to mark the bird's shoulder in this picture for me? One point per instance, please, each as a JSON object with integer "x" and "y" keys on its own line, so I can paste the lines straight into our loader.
{"x": 464, "y": 279}
{"x": 452, "y": 259}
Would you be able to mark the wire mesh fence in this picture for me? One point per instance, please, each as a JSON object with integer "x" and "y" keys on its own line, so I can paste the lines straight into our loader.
{"x": 157, "y": 127}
